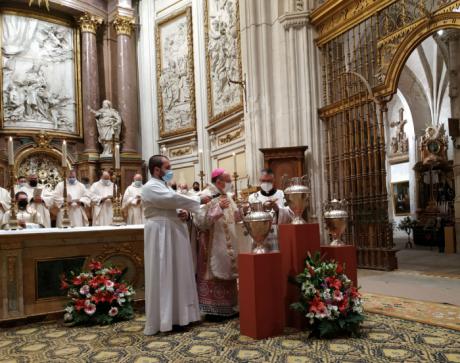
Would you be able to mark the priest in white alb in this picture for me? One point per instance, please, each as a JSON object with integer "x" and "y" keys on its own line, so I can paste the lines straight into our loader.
{"x": 273, "y": 198}
{"x": 77, "y": 200}
{"x": 26, "y": 217}
{"x": 5, "y": 202}
{"x": 170, "y": 289}
{"x": 40, "y": 198}
{"x": 132, "y": 202}
{"x": 217, "y": 268}
{"x": 102, "y": 194}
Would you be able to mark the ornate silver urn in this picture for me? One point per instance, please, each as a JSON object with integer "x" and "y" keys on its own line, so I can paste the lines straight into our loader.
{"x": 297, "y": 194}
{"x": 258, "y": 224}
{"x": 336, "y": 218}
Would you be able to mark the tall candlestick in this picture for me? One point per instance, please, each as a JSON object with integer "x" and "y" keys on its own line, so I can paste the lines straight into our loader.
{"x": 10, "y": 151}
{"x": 64, "y": 154}
{"x": 200, "y": 159}
{"x": 117, "y": 156}
{"x": 234, "y": 163}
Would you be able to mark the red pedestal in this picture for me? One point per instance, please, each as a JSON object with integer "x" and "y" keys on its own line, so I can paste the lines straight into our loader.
{"x": 261, "y": 301}
{"x": 295, "y": 241}
{"x": 345, "y": 255}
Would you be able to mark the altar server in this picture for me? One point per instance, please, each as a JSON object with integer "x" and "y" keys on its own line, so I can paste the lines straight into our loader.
{"x": 170, "y": 288}
{"x": 40, "y": 198}
{"x": 26, "y": 216}
{"x": 132, "y": 202}
{"x": 274, "y": 198}
{"x": 77, "y": 199}
{"x": 5, "y": 202}
{"x": 102, "y": 196}
{"x": 218, "y": 249}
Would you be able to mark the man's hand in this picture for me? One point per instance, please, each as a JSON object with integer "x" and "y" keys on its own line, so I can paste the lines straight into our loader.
{"x": 224, "y": 203}
{"x": 183, "y": 214}
{"x": 205, "y": 199}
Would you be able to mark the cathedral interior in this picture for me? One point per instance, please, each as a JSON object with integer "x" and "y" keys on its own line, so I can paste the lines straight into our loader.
{"x": 362, "y": 97}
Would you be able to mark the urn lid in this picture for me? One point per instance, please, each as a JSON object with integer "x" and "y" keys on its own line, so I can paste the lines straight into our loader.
{"x": 296, "y": 189}
{"x": 257, "y": 213}
{"x": 336, "y": 209}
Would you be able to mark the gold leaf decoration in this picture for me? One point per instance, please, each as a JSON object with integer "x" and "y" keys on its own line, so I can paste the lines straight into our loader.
{"x": 39, "y": 2}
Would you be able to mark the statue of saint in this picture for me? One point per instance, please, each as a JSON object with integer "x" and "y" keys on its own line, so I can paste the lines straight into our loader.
{"x": 108, "y": 122}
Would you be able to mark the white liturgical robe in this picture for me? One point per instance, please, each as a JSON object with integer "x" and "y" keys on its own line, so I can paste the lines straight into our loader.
{"x": 79, "y": 199}
{"x": 131, "y": 206}
{"x": 5, "y": 202}
{"x": 102, "y": 210}
{"x": 284, "y": 216}
{"x": 40, "y": 208}
{"x": 170, "y": 288}
{"x": 29, "y": 216}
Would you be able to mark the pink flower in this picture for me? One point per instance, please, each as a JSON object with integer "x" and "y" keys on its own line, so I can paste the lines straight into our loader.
{"x": 90, "y": 309}
{"x": 109, "y": 284}
{"x": 113, "y": 311}
{"x": 338, "y": 296}
{"x": 95, "y": 265}
{"x": 84, "y": 290}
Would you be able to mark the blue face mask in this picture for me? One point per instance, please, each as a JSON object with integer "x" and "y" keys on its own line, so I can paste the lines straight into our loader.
{"x": 72, "y": 180}
{"x": 168, "y": 176}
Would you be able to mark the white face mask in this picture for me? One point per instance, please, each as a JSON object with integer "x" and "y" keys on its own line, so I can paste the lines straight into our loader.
{"x": 105, "y": 182}
{"x": 228, "y": 187}
{"x": 138, "y": 183}
{"x": 266, "y": 187}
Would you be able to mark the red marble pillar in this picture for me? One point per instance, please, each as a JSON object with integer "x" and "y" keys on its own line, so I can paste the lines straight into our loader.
{"x": 89, "y": 80}
{"x": 127, "y": 90}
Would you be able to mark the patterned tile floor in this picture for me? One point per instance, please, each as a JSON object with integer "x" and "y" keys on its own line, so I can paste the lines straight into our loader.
{"x": 384, "y": 339}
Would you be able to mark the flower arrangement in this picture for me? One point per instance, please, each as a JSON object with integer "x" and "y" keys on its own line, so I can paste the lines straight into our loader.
{"x": 97, "y": 296}
{"x": 329, "y": 301}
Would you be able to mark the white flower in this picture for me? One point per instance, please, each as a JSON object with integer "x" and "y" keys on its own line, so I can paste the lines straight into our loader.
{"x": 90, "y": 309}
{"x": 68, "y": 309}
{"x": 88, "y": 296}
{"x": 84, "y": 290}
{"x": 113, "y": 311}
{"x": 121, "y": 301}
{"x": 68, "y": 317}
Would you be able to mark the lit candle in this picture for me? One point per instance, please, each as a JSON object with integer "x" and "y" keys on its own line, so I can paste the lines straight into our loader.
{"x": 234, "y": 162}
{"x": 64, "y": 154}
{"x": 200, "y": 159}
{"x": 117, "y": 156}
{"x": 10, "y": 151}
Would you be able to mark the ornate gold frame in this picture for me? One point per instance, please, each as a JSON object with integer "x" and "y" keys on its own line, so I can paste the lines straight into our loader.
{"x": 30, "y": 150}
{"x": 77, "y": 69}
{"x": 187, "y": 12}
{"x": 237, "y": 108}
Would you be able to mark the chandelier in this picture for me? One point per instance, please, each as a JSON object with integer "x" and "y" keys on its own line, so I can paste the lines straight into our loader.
{"x": 39, "y": 2}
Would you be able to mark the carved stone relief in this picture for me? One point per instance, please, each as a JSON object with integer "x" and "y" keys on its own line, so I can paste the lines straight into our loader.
{"x": 39, "y": 74}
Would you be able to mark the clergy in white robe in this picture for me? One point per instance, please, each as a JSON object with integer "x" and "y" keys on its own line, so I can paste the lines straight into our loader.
{"x": 101, "y": 195}
{"x": 77, "y": 200}
{"x": 132, "y": 202}
{"x": 170, "y": 288}
{"x": 26, "y": 217}
{"x": 5, "y": 202}
{"x": 218, "y": 249}
{"x": 40, "y": 198}
{"x": 269, "y": 195}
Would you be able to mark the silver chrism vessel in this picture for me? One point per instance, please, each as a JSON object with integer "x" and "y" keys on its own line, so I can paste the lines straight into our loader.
{"x": 336, "y": 218}
{"x": 258, "y": 224}
{"x": 297, "y": 194}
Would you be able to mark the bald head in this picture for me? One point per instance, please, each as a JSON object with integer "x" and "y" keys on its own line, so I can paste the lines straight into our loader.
{"x": 137, "y": 177}
{"x": 105, "y": 175}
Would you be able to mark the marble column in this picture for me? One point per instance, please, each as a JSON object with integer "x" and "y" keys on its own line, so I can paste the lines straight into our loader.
{"x": 127, "y": 96}
{"x": 90, "y": 80}
{"x": 281, "y": 62}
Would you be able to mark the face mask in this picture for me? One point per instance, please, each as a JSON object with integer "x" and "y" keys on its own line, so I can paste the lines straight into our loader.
{"x": 22, "y": 204}
{"x": 22, "y": 184}
{"x": 138, "y": 183}
{"x": 33, "y": 183}
{"x": 105, "y": 182}
{"x": 72, "y": 180}
{"x": 266, "y": 187}
{"x": 196, "y": 189}
{"x": 228, "y": 187}
{"x": 167, "y": 177}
